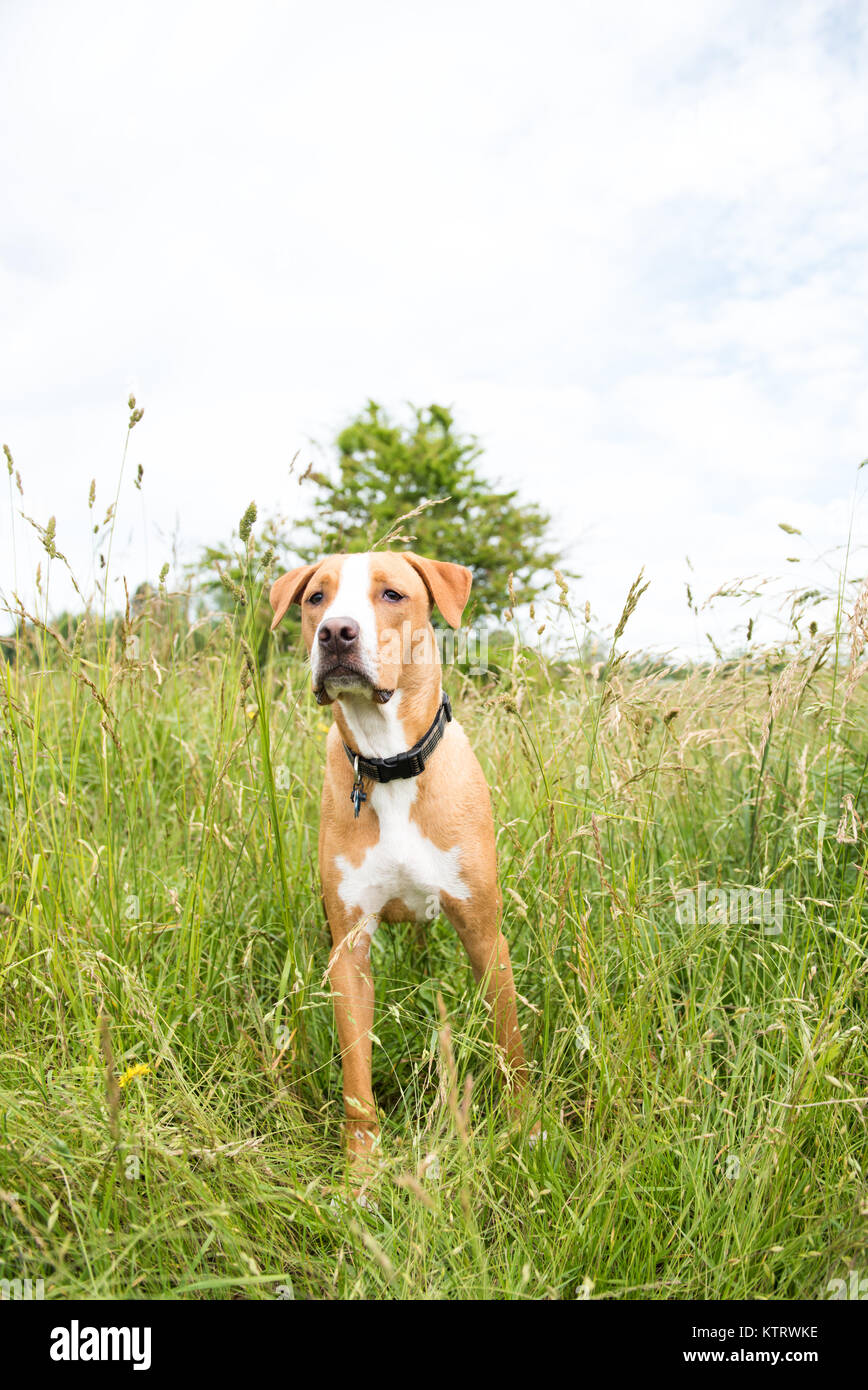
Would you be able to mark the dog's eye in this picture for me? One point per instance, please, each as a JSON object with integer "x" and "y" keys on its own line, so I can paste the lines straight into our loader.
{"x": 392, "y": 595}
{"x": 315, "y": 598}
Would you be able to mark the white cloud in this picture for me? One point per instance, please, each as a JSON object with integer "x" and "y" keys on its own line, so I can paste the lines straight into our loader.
{"x": 627, "y": 242}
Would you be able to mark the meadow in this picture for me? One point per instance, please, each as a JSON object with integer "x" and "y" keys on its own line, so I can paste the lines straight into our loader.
{"x": 169, "y": 1080}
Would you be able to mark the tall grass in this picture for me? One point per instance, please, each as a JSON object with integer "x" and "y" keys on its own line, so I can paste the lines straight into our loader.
{"x": 169, "y": 1080}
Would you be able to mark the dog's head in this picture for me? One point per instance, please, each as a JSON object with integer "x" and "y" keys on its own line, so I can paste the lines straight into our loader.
{"x": 366, "y": 618}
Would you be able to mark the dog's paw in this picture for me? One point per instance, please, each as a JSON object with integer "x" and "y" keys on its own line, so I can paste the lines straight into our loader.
{"x": 344, "y": 1202}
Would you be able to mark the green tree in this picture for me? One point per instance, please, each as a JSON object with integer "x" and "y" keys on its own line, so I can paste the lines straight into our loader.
{"x": 386, "y": 470}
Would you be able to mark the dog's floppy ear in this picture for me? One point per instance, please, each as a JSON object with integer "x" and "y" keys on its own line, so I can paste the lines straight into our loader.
{"x": 289, "y": 589}
{"x": 448, "y": 585}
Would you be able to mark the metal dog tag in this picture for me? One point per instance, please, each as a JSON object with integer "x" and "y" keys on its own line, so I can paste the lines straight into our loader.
{"x": 357, "y": 796}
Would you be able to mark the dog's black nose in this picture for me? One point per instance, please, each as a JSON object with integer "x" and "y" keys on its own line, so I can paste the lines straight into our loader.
{"x": 338, "y": 636}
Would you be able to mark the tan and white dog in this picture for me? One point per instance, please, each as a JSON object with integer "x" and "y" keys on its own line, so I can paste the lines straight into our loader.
{"x": 406, "y": 825}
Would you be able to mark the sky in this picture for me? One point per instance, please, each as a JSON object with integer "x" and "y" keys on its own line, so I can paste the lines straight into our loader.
{"x": 626, "y": 243}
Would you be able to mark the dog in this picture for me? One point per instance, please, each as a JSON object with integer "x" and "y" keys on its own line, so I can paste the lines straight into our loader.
{"x": 406, "y": 828}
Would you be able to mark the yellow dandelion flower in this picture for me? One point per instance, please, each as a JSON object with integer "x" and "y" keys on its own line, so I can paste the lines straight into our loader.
{"x": 140, "y": 1069}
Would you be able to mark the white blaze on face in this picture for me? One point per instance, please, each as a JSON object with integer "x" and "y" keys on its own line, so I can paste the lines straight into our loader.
{"x": 353, "y": 600}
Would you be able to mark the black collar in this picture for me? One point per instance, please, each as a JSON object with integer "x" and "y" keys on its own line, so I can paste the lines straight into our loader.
{"x": 408, "y": 764}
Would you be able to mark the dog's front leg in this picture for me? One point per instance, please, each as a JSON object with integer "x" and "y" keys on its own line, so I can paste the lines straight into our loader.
{"x": 477, "y": 922}
{"x": 352, "y": 985}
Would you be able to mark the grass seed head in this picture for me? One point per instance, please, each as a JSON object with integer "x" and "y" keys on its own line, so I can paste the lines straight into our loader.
{"x": 637, "y": 589}
{"x": 246, "y": 524}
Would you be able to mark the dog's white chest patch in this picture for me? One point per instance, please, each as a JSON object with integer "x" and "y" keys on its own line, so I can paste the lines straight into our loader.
{"x": 402, "y": 864}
